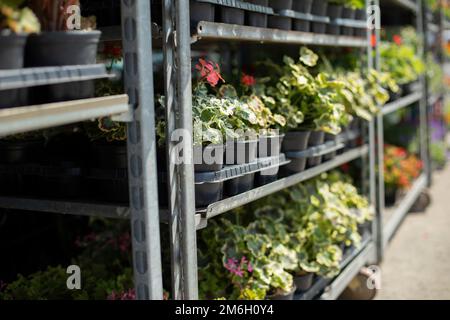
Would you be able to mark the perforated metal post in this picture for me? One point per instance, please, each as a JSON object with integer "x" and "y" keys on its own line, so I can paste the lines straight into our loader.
{"x": 181, "y": 188}
{"x": 137, "y": 48}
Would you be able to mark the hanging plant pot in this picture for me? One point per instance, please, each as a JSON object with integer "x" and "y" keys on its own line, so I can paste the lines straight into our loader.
{"x": 304, "y": 282}
{"x": 390, "y": 196}
{"x": 241, "y": 152}
{"x": 348, "y": 13}
{"x": 302, "y": 7}
{"x": 232, "y": 15}
{"x": 201, "y": 11}
{"x": 278, "y": 22}
{"x": 270, "y": 146}
{"x": 60, "y": 49}
{"x": 360, "y": 15}
{"x": 319, "y": 8}
{"x": 330, "y": 138}
{"x": 317, "y": 138}
{"x": 334, "y": 11}
{"x": 295, "y": 141}
{"x": 12, "y": 57}
{"x": 208, "y": 158}
{"x": 283, "y": 295}
{"x": 258, "y": 19}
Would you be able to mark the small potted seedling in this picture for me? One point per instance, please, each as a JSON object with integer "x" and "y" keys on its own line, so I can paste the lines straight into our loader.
{"x": 15, "y": 24}
{"x": 67, "y": 39}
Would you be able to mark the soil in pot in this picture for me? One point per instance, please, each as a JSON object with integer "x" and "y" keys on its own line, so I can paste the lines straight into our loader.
{"x": 201, "y": 11}
{"x": 304, "y": 282}
{"x": 317, "y": 138}
{"x": 232, "y": 15}
{"x": 282, "y": 295}
{"x": 270, "y": 146}
{"x": 241, "y": 152}
{"x": 319, "y": 8}
{"x": 239, "y": 185}
{"x": 361, "y": 16}
{"x": 330, "y": 137}
{"x": 59, "y": 49}
{"x": 348, "y": 13}
{"x": 303, "y": 6}
{"x": 334, "y": 11}
{"x": 12, "y": 57}
{"x": 208, "y": 158}
{"x": 295, "y": 141}
{"x": 258, "y": 19}
{"x": 278, "y": 22}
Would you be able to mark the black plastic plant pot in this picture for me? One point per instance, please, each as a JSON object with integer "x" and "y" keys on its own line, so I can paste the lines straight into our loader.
{"x": 334, "y": 11}
{"x": 304, "y": 282}
{"x": 390, "y": 196}
{"x": 12, "y": 57}
{"x": 360, "y": 15}
{"x": 17, "y": 152}
{"x": 319, "y": 8}
{"x": 232, "y": 15}
{"x": 109, "y": 156}
{"x": 256, "y": 19}
{"x": 278, "y": 22}
{"x": 348, "y": 13}
{"x": 330, "y": 137}
{"x": 263, "y": 179}
{"x": 208, "y": 158}
{"x": 208, "y": 193}
{"x": 317, "y": 138}
{"x": 59, "y": 49}
{"x": 302, "y": 6}
{"x": 202, "y": 11}
{"x": 239, "y": 185}
{"x": 241, "y": 152}
{"x": 283, "y": 296}
{"x": 270, "y": 146}
{"x": 295, "y": 141}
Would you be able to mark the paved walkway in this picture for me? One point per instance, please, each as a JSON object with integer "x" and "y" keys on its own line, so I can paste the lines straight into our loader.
{"x": 417, "y": 261}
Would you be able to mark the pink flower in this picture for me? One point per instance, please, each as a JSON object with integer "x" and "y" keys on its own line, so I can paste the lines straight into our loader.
{"x": 126, "y": 295}
{"x": 249, "y": 267}
{"x": 209, "y": 72}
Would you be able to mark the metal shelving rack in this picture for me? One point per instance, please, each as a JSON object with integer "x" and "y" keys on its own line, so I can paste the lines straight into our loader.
{"x": 396, "y": 215}
{"x": 136, "y": 108}
{"x": 177, "y": 41}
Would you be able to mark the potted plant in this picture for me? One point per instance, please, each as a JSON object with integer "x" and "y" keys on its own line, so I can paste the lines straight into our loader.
{"x": 60, "y": 45}
{"x": 334, "y": 11}
{"x": 15, "y": 24}
{"x": 280, "y": 22}
{"x": 319, "y": 8}
{"x": 256, "y": 19}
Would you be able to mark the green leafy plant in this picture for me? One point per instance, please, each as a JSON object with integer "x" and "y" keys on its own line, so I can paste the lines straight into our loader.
{"x": 438, "y": 150}
{"x": 17, "y": 19}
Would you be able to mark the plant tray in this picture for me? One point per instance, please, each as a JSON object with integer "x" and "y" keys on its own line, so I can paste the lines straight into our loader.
{"x": 302, "y": 16}
{"x": 240, "y": 5}
{"x": 360, "y": 24}
{"x": 236, "y": 171}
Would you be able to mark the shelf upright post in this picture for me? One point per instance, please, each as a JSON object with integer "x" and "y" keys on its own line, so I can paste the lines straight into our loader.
{"x": 138, "y": 67}
{"x": 181, "y": 188}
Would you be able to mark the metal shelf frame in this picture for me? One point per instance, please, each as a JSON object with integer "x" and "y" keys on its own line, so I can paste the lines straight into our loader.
{"x": 177, "y": 46}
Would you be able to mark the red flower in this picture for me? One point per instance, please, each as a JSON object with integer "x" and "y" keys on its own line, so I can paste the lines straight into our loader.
{"x": 209, "y": 72}
{"x": 248, "y": 80}
{"x": 397, "y": 39}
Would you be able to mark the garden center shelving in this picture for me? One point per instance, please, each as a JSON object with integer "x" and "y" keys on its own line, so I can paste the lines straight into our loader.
{"x": 183, "y": 219}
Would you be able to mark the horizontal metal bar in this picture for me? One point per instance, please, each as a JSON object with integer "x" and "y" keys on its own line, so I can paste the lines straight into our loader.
{"x": 338, "y": 285}
{"x": 403, "y": 208}
{"x": 222, "y": 31}
{"x": 66, "y": 207}
{"x": 401, "y": 103}
{"x": 31, "y": 77}
{"x": 23, "y": 119}
{"x": 220, "y": 207}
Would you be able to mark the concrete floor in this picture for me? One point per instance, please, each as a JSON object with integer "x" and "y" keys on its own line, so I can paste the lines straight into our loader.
{"x": 417, "y": 261}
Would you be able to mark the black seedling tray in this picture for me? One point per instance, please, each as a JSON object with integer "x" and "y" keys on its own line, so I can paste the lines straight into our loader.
{"x": 302, "y": 16}
{"x": 240, "y": 5}
{"x": 236, "y": 171}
